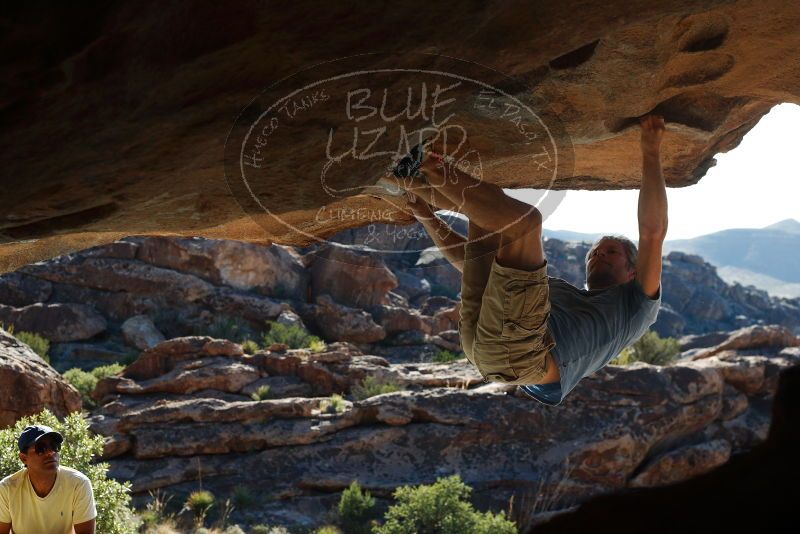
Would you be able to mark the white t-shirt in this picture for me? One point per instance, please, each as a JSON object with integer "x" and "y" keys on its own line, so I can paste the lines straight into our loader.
{"x": 70, "y": 502}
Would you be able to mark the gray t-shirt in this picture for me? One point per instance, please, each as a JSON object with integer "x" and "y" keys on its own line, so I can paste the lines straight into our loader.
{"x": 591, "y": 327}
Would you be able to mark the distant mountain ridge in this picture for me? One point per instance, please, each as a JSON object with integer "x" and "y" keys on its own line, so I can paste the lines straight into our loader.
{"x": 787, "y": 225}
{"x": 566, "y": 235}
{"x": 747, "y": 255}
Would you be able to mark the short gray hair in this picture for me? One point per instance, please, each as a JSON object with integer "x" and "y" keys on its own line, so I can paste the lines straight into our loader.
{"x": 631, "y": 252}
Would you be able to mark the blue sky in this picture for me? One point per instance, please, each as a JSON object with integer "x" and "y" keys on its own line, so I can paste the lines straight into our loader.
{"x": 752, "y": 186}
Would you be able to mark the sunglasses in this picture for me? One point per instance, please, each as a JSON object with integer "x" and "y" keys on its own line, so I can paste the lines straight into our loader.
{"x": 41, "y": 447}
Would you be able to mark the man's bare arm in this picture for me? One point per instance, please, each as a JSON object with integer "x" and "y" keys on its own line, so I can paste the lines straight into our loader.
{"x": 652, "y": 207}
{"x": 87, "y": 527}
{"x": 449, "y": 241}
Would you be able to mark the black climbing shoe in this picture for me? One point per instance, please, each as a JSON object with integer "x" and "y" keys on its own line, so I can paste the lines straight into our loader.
{"x": 410, "y": 164}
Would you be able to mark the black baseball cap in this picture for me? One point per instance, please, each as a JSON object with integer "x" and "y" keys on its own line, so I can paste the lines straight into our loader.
{"x": 34, "y": 433}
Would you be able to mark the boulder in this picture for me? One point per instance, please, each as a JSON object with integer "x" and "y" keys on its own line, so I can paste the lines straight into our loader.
{"x": 244, "y": 304}
{"x": 116, "y": 305}
{"x": 763, "y": 478}
{"x": 396, "y": 319}
{"x": 396, "y": 299}
{"x": 338, "y": 322}
{"x": 734, "y": 403}
{"x": 411, "y": 286}
{"x": 701, "y": 341}
{"x": 290, "y": 318}
{"x": 683, "y": 463}
{"x": 271, "y": 270}
{"x": 443, "y": 277}
{"x": 195, "y": 375}
{"x": 446, "y": 319}
{"x": 354, "y": 278}
{"x": 162, "y": 358}
{"x": 18, "y": 290}
{"x": 124, "y": 249}
{"x": 448, "y": 340}
{"x": 56, "y": 322}
{"x": 408, "y": 337}
{"x": 140, "y": 332}
{"x": 111, "y": 274}
{"x": 753, "y": 337}
{"x": 438, "y": 303}
{"x": 30, "y": 385}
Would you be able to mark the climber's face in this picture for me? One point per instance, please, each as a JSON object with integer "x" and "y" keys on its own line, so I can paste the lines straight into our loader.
{"x": 607, "y": 265}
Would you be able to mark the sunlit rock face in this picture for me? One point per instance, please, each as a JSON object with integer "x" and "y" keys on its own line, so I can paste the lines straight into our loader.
{"x": 29, "y": 384}
{"x": 114, "y": 119}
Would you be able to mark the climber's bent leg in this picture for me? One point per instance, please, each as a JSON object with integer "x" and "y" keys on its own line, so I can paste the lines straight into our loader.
{"x": 518, "y": 223}
{"x": 422, "y": 189}
{"x": 509, "y": 342}
{"x": 479, "y": 253}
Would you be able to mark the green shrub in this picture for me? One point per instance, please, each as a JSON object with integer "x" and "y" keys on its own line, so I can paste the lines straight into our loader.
{"x": 226, "y": 327}
{"x": 261, "y": 393}
{"x": 650, "y": 348}
{"x": 149, "y": 519}
{"x": 224, "y": 516}
{"x": 155, "y": 512}
{"x": 243, "y": 497}
{"x": 105, "y": 371}
{"x": 114, "y": 515}
{"x": 86, "y": 381}
{"x": 356, "y": 509}
{"x": 249, "y": 346}
{"x": 445, "y": 356}
{"x": 335, "y": 404}
{"x": 443, "y": 508}
{"x": 329, "y": 529}
{"x": 37, "y": 343}
{"x": 317, "y": 345}
{"x": 199, "y": 503}
{"x": 294, "y": 336}
{"x": 372, "y": 385}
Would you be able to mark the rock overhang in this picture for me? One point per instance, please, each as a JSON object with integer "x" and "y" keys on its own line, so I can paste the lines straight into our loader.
{"x": 120, "y": 128}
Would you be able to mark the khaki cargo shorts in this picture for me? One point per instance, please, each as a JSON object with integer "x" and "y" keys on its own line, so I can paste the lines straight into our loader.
{"x": 503, "y": 322}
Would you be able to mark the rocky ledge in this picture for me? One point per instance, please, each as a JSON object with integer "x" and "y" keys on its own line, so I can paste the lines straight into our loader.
{"x": 183, "y": 412}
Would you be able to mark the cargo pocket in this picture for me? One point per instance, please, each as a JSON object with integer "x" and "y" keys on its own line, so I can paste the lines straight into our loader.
{"x": 492, "y": 362}
{"x": 525, "y": 310}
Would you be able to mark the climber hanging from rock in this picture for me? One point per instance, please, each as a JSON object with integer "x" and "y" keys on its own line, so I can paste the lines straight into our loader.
{"x": 517, "y": 325}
